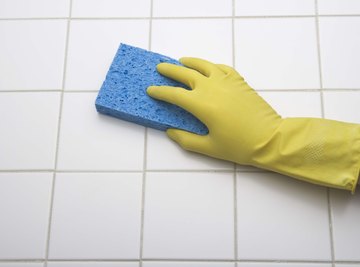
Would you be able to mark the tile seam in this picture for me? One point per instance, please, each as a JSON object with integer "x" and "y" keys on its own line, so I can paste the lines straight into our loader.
{"x": 47, "y": 248}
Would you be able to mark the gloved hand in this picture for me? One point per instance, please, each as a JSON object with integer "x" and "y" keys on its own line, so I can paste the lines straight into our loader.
{"x": 244, "y": 129}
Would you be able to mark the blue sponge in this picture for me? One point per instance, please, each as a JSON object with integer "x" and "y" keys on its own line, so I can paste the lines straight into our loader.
{"x": 123, "y": 93}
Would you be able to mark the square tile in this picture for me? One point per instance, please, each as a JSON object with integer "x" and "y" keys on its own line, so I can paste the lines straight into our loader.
{"x": 188, "y": 264}
{"x": 277, "y": 53}
{"x": 346, "y": 265}
{"x": 92, "y": 47}
{"x": 193, "y": 38}
{"x": 92, "y": 264}
{"x": 274, "y": 7}
{"x": 280, "y": 218}
{"x": 339, "y": 7}
{"x": 32, "y": 54}
{"x": 290, "y": 264}
{"x": 345, "y": 217}
{"x": 165, "y": 154}
{"x": 96, "y": 216}
{"x": 24, "y": 209}
{"x": 91, "y": 141}
{"x": 340, "y": 56}
{"x": 343, "y": 106}
{"x": 29, "y": 130}
{"x": 111, "y": 8}
{"x": 21, "y": 264}
{"x": 34, "y": 8}
{"x": 189, "y": 8}
{"x": 189, "y": 216}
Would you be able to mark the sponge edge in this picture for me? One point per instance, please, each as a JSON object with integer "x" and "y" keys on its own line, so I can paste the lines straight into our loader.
{"x": 123, "y": 93}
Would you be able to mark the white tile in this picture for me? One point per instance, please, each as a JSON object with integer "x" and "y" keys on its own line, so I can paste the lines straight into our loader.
{"x": 274, "y": 7}
{"x": 277, "y": 53}
{"x": 189, "y": 216}
{"x": 92, "y": 47}
{"x": 16, "y": 264}
{"x": 111, "y": 8}
{"x": 24, "y": 209}
{"x": 190, "y": 8}
{"x": 294, "y": 104}
{"x": 188, "y": 264}
{"x": 29, "y": 130}
{"x": 340, "y": 7}
{"x": 343, "y": 106}
{"x": 345, "y": 217}
{"x": 193, "y": 38}
{"x": 32, "y": 54}
{"x": 96, "y": 216}
{"x": 165, "y": 154}
{"x": 340, "y": 54}
{"x": 34, "y": 8}
{"x": 91, "y": 141}
{"x": 280, "y": 218}
{"x": 283, "y": 265}
{"x": 92, "y": 264}
{"x": 346, "y": 265}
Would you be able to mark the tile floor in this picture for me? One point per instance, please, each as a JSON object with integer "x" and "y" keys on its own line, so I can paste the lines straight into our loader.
{"x": 80, "y": 189}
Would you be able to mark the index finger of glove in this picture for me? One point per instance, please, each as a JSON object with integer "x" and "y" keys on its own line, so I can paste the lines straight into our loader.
{"x": 201, "y": 65}
{"x": 179, "y": 73}
{"x": 174, "y": 95}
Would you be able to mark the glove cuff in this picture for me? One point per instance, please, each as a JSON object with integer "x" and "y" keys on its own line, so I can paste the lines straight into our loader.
{"x": 320, "y": 151}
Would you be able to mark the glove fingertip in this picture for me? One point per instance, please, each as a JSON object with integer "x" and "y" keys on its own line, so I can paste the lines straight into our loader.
{"x": 173, "y": 134}
{"x": 151, "y": 90}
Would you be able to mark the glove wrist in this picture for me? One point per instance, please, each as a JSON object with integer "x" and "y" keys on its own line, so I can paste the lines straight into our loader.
{"x": 319, "y": 151}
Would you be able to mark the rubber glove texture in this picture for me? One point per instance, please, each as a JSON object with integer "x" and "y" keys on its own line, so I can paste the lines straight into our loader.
{"x": 245, "y": 129}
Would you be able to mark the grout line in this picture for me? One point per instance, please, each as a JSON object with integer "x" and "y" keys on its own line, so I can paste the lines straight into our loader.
{"x": 138, "y": 171}
{"x": 58, "y": 137}
{"x": 331, "y": 233}
{"x": 179, "y": 17}
{"x": 236, "y": 256}
{"x": 31, "y": 91}
{"x": 234, "y": 165}
{"x": 233, "y": 33}
{"x": 177, "y": 260}
{"x": 141, "y": 251}
{"x": 317, "y": 27}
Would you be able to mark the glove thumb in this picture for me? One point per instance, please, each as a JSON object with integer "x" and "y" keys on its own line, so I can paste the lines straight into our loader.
{"x": 190, "y": 141}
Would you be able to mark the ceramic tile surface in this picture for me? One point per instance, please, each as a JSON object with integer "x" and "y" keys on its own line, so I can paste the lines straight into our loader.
{"x": 259, "y": 43}
{"x": 189, "y": 8}
{"x": 193, "y": 218}
{"x": 278, "y": 216}
{"x": 29, "y": 128}
{"x": 345, "y": 211}
{"x": 32, "y": 54}
{"x": 110, "y": 8}
{"x": 340, "y": 56}
{"x": 165, "y": 154}
{"x": 93, "y": 46}
{"x": 97, "y": 215}
{"x": 338, "y": 7}
{"x": 88, "y": 137}
{"x": 193, "y": 38}
{"x": 82, "y": 189}
{"x": 30, "y": 9}
{"x": 274, "y": 7}
{"x": 24, "y": 208}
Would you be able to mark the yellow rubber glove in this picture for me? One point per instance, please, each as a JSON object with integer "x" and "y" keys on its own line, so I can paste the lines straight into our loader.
{"x": 244, "y": 129}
